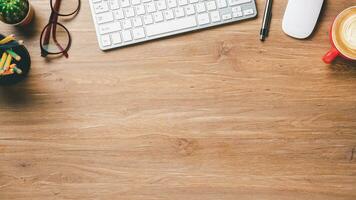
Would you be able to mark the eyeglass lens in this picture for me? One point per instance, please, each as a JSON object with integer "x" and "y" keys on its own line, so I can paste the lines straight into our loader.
{"x": 56, "y": 40}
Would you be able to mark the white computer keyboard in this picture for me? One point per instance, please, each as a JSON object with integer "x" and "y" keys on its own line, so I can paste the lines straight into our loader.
{"x": 123, "y": 22}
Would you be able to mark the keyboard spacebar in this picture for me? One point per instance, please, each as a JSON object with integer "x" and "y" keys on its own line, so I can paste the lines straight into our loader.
{"x": 169, "y": 26}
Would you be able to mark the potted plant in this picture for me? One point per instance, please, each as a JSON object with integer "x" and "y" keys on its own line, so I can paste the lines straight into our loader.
{"x": 16, "y": 12}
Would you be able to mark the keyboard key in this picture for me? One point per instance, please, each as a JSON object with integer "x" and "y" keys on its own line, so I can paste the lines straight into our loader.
{"x": 96, "y": 1}
{"x": 124, "y": 3}
{"x": 182, "y": 2}
{"x": 189, "y": 9}
{"x": 129, "y": 12}
{"x": 158, "y": 16}
{"x": 150, "y": 7}
{"x": 140, "y": 9}
{"x": 203, "y": 19}
{"x": 109, "y": 27}
{"x": 161, "y": 5}
{"x": 168, "y": 14}
{"x": 105, "y": 40}
{"x": 193, "y": 1}
{"x": 172, "y": 3}
{"x": 200, "y": 7}
{"x": 126, "y": 24}
{"x": 114, "y": 4}
{"x": 101, "y": 7}
{"x": 226, "y": 16}
{"x": 179, "y": 12}
{"x": 119, "y": 14}
{"x": 215, "y": 16}
{"x": 236, "y": 9}
{"x": 248, "y": 12}
{"x": 126, "y": 36}
{"x": 221, "y": 3}
{"x": 238, "y": 2}
{"x": 170, "y": 26}
{"x": 148, "y": 19}
{"x": 211, "y": 5}
{"x": 138, "y": 33}
{"x": 237, "y": 14}
{"x": 135, "y": 2}
{"x": 116, "y": 38}
{"x": 104, "y": 17}
{"x": 137, "y": 21}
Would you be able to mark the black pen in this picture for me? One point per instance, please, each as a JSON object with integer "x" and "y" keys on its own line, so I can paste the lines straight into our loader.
{"x": 266, "y": 20}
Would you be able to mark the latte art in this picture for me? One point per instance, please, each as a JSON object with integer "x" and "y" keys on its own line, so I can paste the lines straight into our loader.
{"x": 344, "y": 33}
{"x": 349, "y": 30}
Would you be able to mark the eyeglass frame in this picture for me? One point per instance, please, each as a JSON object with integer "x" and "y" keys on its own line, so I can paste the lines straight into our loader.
{"x": 53, "y": 21}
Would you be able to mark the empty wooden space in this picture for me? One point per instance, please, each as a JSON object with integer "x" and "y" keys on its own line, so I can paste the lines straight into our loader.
{"x": 214, "y": 114}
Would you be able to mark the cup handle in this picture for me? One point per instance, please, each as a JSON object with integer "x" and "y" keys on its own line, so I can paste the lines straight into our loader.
{"x": 331, "y": 55}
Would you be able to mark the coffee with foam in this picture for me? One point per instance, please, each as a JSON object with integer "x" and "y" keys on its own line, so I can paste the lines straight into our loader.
{"x": 344, "y": 33}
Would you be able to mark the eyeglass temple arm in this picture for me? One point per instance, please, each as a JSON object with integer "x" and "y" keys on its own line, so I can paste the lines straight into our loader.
{"x": 52, "y": 19}
{"x": 54, "y": 28}
{"x": 54, "y": 36}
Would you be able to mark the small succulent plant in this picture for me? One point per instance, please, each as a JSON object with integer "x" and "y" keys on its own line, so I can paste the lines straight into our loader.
{"x": 13, "y": 11}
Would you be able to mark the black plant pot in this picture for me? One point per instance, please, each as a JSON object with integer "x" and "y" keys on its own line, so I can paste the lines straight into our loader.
{"x": 24, "y": 64}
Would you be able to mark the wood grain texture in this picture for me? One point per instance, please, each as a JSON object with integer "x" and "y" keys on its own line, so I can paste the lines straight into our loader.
{"x": 214, "y": 114}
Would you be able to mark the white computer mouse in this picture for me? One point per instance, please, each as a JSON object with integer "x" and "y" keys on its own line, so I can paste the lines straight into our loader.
{"x": 301, "y": 17}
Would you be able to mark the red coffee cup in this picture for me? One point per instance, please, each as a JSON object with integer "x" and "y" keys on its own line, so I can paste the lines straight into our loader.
{"x": 338, "y": 48}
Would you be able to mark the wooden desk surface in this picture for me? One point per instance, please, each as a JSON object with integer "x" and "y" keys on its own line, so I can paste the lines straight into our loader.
{"x": 214, "y": 114}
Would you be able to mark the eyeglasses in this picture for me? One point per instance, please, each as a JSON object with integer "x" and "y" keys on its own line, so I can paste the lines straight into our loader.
{"x": 55, "y": 37}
